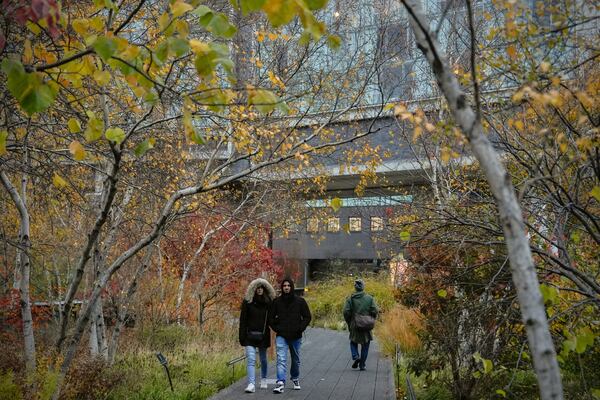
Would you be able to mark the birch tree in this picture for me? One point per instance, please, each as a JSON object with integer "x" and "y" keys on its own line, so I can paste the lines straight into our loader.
{"x": 468, "y": 117}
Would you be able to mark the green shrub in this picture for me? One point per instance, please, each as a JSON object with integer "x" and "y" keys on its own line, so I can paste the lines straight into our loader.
{"x": 9, "y": 390}
{"x": 435, "y": 392}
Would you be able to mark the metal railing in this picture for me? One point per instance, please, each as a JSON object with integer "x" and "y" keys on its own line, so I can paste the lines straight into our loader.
{"x": 232, "y": 364}
{"x": 410, "y": 391}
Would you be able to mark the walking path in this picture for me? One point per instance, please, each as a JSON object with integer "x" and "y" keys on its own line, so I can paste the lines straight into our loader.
{"x": 325, "y": 373}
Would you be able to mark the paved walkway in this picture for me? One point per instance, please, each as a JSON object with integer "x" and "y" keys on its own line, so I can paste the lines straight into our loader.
{"x": 326, "y": 373}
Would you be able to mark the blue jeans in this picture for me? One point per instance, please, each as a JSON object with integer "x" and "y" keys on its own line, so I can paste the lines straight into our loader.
{"x": 251, "y": 363}
{"x": 282, "y": 346}
{"x": 364, "y": 352}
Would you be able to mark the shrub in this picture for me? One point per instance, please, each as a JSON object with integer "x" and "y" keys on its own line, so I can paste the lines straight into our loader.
{"x": 89, "y": 378}
{"x": 9, "y": 390}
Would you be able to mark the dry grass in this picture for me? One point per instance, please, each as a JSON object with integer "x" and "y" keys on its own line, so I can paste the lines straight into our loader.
{"x": 399, "y": 325}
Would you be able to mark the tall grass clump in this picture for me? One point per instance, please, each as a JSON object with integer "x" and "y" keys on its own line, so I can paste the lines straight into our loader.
{"x": 196, "y": 360}
{"x": 399, "y": 325}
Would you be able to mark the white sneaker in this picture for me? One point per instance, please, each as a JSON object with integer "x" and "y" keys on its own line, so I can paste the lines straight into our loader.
{"x": 250, "y": 388}
{"x": 296, "y": 383}
{"x": 263, "y": 383}
{"x": 278, "y": 387}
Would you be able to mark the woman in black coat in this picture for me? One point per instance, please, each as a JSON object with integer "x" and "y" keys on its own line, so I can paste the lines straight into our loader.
{"x": 254, "y": 329}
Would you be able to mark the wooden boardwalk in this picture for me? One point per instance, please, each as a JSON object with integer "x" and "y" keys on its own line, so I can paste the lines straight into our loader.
{"x": 325, "y": 373}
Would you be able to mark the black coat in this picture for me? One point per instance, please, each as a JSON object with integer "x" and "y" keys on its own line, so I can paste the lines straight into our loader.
{"x": 252, "y": 318}
{"x": 289, "y": 316}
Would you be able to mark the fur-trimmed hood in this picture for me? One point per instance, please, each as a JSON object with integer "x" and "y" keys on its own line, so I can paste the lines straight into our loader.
{"x": 269, "y": 291}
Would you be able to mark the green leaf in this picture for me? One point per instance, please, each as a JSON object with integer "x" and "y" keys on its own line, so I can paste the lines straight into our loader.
{"x": 28, "y": 88}
{"x": 218, "y": 24}
{"x": 179, "y": 46}
{"x": 264, "y": 100}
{"x": 501, "y": 392}
{"x": 279, "y": 12}
{"x": 315, "y": 4}
{"x": 151, "y": 97}
{"x": 405, "y": 236}
{"x": 596, "y": 393}
{"x": 549, "y": 293}
{"x": 596, "y": 192}
{"x": 94, "y": 129}
{"x": 116, "y": 135}
{"x": 105, "y": 47}
{"x": 144, "y": 146}
{"x": 336, "y": 204}
{"x": 202, "y": 10}
{"x": 251, "y": 5}
{"x": 334, "y": 42}
{"x": 442, "y": 293}
{"x": 162, "y": 52}
{"x": 3, "y": 136}
{"x": 74, "y": 125}
{"x": 190, "y": 130}
{"x": 40, "y": 98}
{"x": 569, "y": 345}
{"x": 488, "y": 366}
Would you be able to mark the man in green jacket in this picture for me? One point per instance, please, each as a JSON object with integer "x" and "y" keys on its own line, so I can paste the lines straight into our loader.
{"x": 359, "y": 303}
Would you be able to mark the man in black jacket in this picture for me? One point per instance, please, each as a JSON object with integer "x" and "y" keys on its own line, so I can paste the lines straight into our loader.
{"x": 289, "y": 318}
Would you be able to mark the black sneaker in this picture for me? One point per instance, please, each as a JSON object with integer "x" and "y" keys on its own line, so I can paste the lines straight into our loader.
{"x": 355, "y": 364}
{"x": 278, "y": 387}
{"x": 296, "y": 383}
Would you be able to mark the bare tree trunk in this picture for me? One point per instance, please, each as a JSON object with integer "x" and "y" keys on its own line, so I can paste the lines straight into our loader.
{"x": 124, "y": 307}
{"x": 522, "y": 267}
{"x": 108, "y": 195}
{"x": 25, "y": 248}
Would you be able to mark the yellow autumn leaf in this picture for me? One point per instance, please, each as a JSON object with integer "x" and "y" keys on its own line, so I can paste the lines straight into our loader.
{"x": 417, "y": 132}
{"x": 519, "y": 125}
{"x": 180, "y": 8}
{"x": 80, "y": 25}
{"x": 545, "y": 67}
{"x": 27, "y": 52}
{"x": 399, "y": 109}
{"x": 77, "y": 150}
{"x": 260, "y": 37}
{"x": 58, "y": 181}
{"x": 429, "y": 126}
{"x": 163, "y": 21}
{"x": 445, "y": 154}
{"x": 74, "y": 125}
{"x": 585, "y": 99}
{"x": 272, "y": 36}
{"x": 3, "y": 136}
{"x": 511, "y": 50}
{"x": 199, "y": 47}
{"x": 33, "y": 28}
{"x": 97, "y": 23}
{"x": 101, "y": 77}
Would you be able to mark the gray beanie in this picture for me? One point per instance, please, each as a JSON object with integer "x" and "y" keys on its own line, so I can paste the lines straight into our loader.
{"x": 359, "y": 285}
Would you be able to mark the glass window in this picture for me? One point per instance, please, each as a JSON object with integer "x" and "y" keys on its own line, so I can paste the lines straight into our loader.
{"x": 355, "y": 224}
{"x": 376, "y": 224}
{"x": 333, "y": 224}
{"x": 312, "y": 225}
